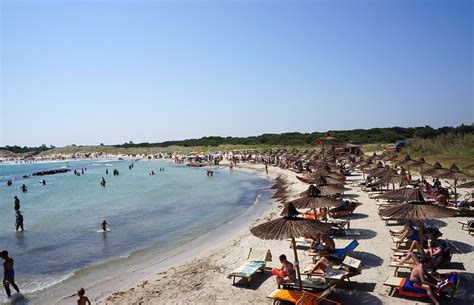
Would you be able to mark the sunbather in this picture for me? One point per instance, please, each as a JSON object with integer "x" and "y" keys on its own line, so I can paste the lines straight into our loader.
{"x": 286, "y": 274}
{"x": 437, "y": 253}
{"x": 324, "y": 262}
{"x": 420, "y": 278}
{"x": 325, "y": 245}
{"x": 408, "y": 226}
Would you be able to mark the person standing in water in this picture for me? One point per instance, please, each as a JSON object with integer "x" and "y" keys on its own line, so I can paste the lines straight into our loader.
{"x": 104, "y": 225}
{"x": 24, "y": 188}
{"x": 19, "y": 221}
{"x": 103, "y": 182}
{"x": 17, "y": 204}
{"x": 106, "y": 171}
{"x": 266, "y": 168}
{"x": 8, "y": 273}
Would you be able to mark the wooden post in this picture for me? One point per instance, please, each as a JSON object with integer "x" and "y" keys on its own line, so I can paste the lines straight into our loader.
{"x": 297, "y": 263}
{"x": 420, "y": 228}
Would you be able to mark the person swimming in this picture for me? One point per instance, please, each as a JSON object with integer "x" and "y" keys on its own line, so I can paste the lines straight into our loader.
{"x": 24, "y": 188}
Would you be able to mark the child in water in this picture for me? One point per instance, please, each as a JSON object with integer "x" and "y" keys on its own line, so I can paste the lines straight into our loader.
{"x": 83, "y": 300}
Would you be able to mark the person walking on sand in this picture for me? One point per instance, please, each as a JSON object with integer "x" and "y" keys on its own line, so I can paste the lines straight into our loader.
{"x": 17, "y": 204}
{"x": 19, "y": 221}
{"x": 83, "y": 300}
{"x": 266, "y": 168}
{"x": 8, "y": 273}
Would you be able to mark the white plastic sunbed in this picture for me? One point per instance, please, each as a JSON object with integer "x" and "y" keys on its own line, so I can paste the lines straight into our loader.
{"x": 256, "y": 261}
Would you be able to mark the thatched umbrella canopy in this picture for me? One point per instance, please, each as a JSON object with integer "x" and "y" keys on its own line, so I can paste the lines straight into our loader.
{"x": 290, "y": 226}
{"x": 389, "y": 179}
{"x": 324, "y": 173}
{"x": 408, "y": 162}
{"x": 379, "y": 171}
{"x": 433, "y": 170}
{"x": 417, "y": 210}
{"x": 314, "y": 199}
{"x": 326, "y": 188}
{"x": 455, "y": 174}
{"x": 403, "y": 195}
{"x": 329, "y": 179}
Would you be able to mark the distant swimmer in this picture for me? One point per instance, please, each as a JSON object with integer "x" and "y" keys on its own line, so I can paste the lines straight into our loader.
{"x": 24, "y": 188}
{"x": 210, "y": 173}
{"x": 19, "y": 221}
{"x": 17, "y": 203}
{"x": 43, "y": 182}
{"x": 106, "y": 171}
{"x": 103, "y": 182}
{"x": 9, "y": 182}
{"x": 152, "y": 173}
{"x": 104, "y": 224}
{"x": 82, "y": 171}
{"x": 8, "y": 273}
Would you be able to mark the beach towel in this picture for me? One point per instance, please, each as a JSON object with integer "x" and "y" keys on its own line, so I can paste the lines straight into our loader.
{"x": 248, "y": 269}
{"x": 297, "y": 297}
{"x": 407, "y": 288}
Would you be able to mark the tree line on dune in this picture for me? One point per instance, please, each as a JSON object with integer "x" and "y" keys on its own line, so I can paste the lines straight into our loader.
{"x": 373, "y": 135}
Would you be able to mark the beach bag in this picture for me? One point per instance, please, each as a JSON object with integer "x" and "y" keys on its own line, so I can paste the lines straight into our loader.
{"x": 470, "y": 223}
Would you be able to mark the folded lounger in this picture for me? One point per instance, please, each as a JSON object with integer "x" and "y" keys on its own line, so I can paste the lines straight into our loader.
{"x": 256, "y": 261}
{"x": 406, "y": 288}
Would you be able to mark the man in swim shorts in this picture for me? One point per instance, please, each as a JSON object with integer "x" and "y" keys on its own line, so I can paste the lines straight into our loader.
{"x": 8, "y": 273}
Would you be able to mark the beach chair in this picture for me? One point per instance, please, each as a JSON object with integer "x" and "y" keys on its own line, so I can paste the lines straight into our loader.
{"x": 302, "y": 297}
{"x": 338, "y": 253}
{"x": 348, "y": 268}
{"x": 256, "y": 261}
{"x": 465, "y": 227}
{"x": 406, "y": 288}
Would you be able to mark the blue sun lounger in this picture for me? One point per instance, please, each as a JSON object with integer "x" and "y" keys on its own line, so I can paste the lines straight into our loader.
{"x": 256, "y": 261}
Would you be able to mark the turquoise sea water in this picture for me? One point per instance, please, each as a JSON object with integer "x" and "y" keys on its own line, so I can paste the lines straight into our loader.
{"x": 145, "y": 212}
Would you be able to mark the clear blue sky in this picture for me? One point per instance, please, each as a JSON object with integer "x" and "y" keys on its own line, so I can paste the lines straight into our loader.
{"x": 87, "y": 72}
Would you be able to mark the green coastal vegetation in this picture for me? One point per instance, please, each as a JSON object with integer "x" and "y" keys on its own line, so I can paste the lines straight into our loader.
{"x": 446, "y": 144}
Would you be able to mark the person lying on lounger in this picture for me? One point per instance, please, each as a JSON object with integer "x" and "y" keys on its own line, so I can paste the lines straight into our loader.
{"x": 420, "y": 278}
{"x": 286, "y": 274}
{"x": 322, "y": 244}
{"x": 408, "y": 226}
{"x": 438, "y": 253}
{"x": 324, "y": 263}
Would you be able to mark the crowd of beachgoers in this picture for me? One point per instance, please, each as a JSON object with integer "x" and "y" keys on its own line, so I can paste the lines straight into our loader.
{"x": 348, "y": 228}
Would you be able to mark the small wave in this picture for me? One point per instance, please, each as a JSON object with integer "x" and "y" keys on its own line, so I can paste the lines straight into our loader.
{"x": 47, "y": 282}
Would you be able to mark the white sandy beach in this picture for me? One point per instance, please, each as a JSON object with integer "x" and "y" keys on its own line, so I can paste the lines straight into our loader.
{"x": 200, "y": 276}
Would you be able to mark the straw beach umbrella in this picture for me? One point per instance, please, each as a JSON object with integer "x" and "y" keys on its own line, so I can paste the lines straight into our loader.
{"x": 417, "y": 211}
{"x": 402, "y": 194}
{"x": 314, "y": 200}
{"x": 290, "y": 225}
{"x": 455, "y": 174}
{"x": 326, "y": 188}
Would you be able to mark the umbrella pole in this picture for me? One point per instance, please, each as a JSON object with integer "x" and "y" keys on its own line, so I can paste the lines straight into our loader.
{"x": 420, "y": 228}
{"x": 300, "y": 285}
{"x": 455, "y": 191}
